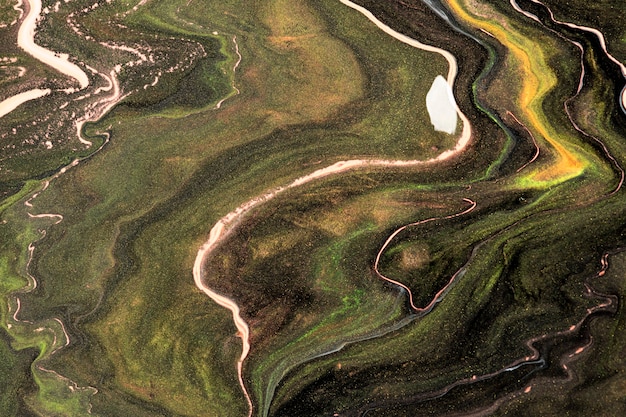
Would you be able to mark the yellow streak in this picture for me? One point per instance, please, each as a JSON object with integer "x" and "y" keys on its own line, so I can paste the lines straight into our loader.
{"x": 567, "y": 164}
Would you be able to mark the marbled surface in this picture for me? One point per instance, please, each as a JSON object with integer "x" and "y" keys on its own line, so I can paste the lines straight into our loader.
{"x": 247, "y": 209}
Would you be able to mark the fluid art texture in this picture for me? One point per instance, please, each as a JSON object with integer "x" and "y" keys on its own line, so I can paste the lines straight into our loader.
{"x": 312, "y": 208}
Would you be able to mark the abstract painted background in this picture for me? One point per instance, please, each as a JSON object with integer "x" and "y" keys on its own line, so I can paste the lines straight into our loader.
{"x": 248, "y": 208}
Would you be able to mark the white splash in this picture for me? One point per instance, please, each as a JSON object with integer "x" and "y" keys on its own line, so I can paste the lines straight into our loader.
{"x": 441, "y": 106}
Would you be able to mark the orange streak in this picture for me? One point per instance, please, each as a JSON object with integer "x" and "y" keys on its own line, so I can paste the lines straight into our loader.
{"x": 567, "y": 164}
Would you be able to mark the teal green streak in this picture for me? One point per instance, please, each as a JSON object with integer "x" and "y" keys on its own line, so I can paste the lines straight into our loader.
{"x": 509, "y": 142}
{"x": 29, "y": 187}
{"x": 53, "y": 395}
{"x": 315, "y": 342}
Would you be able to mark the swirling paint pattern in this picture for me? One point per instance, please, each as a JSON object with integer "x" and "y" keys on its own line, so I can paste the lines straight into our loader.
{"x": 269, "y": 225}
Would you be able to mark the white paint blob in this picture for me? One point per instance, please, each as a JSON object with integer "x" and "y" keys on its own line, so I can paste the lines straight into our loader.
{"x": 11, "y": 103}
{"x": 441, "y": 106}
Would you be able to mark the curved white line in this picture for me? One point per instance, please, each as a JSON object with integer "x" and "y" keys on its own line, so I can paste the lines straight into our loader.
{"x": 26, "y": 41}
{"x": 226, "y": 223}
{"x": 437, "y": 297}
{"x": 11, "y": 103}
{"x": 219, "y": 104}
{"x": 407, "y": 40}
{"x": 105, "y": 106}
{"x": 601, "y": 39}
{"x": 452, "y": 70}
{"x": 242, "y": 327}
